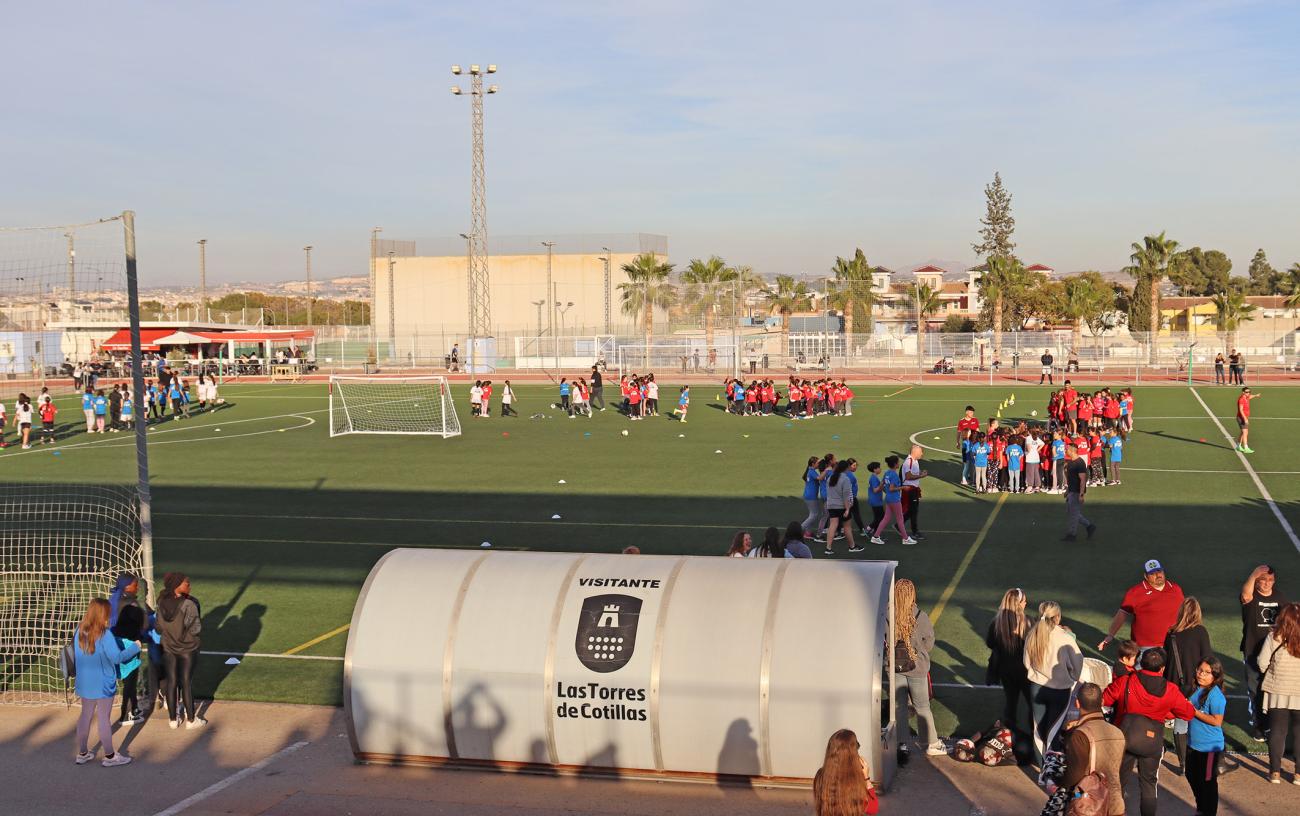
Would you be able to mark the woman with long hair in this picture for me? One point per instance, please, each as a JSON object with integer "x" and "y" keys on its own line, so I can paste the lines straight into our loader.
{"x": 1279, "y": 665}
{"x": 179, "y": 624}
{"x": 842, "y": 786}
{"x": 1188, "y": 645}
{"x": 794, "y": 545}
{"x": 97, "y": 655}
{"x": 771, "y": 546}
{"x": 839, "y": 507}
{"x": 741, "y": 544}
{"x": 1053, "y": 665}
{"x": 1206, "y": 735}
{"x": 1006, "y": 642}
{"x": 913, "y": 640}
{"x": 811, "y": 483}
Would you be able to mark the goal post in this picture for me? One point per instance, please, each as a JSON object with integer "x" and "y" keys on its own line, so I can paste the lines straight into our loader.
{"x": 392, "y": 405}
{"x": 685, "y": 357}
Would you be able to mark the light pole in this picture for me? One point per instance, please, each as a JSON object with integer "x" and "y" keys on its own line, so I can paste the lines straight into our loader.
{"x": 72, "y": 264}
{"x": 392, "y": 306}
{"x": 480, "y": 302}
{"x": 609, "y": 289}
{"x": 307, "y": 249}
{"x": 374, "y": 252}
{"x": 539, "y": 304}
{"x": 562, "y": 309}
{"x": 469, "y": 282}
{"x": 203, "y": 276}
{"x": 735, "y": 333}
{"x": 555, "y": 341}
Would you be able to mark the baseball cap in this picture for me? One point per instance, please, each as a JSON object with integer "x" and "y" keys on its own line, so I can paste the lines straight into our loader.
{"x": 1152, "y": 566}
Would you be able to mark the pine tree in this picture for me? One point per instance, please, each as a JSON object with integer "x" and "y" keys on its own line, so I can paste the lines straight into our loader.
{"x": 1139, "y": 304}
{"x": 998, "y": 225}
{"x": 1264, "y": 279}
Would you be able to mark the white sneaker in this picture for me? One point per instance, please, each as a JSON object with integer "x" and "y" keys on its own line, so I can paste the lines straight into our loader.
{"x": 197, "y": 722}
{"x": 877, "y": 540}
{"x": 173, "y": 723}
{"x": 116, "y": 759}
{"x": 909, "y": 541}
{"x": 936, "y": 749}
{"x": 84, "y": 757}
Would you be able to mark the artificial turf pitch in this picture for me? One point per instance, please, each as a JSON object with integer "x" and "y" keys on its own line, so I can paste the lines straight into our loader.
{"x": 278, "y": 524}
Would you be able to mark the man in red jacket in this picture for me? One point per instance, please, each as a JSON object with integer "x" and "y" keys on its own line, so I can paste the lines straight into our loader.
{"x": 1146, "y": 693}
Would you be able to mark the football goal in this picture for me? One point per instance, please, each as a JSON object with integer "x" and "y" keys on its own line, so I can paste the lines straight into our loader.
{"x": 392, "y": 405}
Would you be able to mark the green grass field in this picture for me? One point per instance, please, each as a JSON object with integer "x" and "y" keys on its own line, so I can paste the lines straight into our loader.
{"x": 278, "y": 524}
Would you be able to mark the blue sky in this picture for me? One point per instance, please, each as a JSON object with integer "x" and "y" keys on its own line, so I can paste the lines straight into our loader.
{"x": 773, "y": 134}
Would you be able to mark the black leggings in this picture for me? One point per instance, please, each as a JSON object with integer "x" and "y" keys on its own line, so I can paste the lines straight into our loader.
{"x": 1281, "y": 721}
{"x": 130, "y": 692}
{"x": 1015, "y": 689}
{"x": 1203, "y": 776}
{"x": 180, "y": 669}
{"x": 856, "y": 511}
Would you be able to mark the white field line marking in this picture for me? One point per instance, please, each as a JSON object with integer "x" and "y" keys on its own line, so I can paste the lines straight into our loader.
{"x": 966, "y": 561}
{"x": 913, "y": 439}
{"x": 275, "y": 656}
{"x": 218, "y": 787}
{"x": 128, "y": 440}
{"x": 1254, "y": 477}
{"x": 896, "y": 393}
{"x": 344, "y": 543}
{"x": 409, "y": 520}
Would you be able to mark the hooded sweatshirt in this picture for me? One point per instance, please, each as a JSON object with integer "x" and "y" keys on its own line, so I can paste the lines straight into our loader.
{"x": 1149, "y": 694}
{"x": 179, "y": 623}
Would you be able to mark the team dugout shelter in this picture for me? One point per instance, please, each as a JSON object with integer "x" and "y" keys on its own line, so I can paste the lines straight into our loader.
{"x": 218, "y": 345}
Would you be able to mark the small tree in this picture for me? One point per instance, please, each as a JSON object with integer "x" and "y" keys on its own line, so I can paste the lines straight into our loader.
{"x": 1086, "y": 298}
{"x": 1002, "y": 279}
{"x": 957, "y": 324}
{"x": 1264, "y": 279}
{"x": 1151, "y": 262}
{"x": 851, "y": 292}
{"x": 709, "y": 285}
{"x": 647, "y": 288}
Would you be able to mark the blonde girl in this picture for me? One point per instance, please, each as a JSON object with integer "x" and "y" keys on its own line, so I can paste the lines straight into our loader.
{"x": 1053, "y": 664}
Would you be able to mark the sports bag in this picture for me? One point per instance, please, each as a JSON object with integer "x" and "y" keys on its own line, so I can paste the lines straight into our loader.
{"x": 68, "y": 661}
{"x": 1092, "y": 791}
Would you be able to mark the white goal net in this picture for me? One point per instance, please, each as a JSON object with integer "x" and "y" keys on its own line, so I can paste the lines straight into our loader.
{"x": 63, "y": 544}
{"x": 685, "y": 357}
{"x": 392, "y": 405}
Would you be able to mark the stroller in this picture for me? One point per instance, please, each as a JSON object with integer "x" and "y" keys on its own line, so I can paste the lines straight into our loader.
{"x": 1094, "y": 671}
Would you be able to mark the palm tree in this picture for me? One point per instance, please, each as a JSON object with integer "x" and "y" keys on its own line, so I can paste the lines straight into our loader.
{"x": 785, "y": 298}
{"x": 1291, "y": 285}
{"x": 924, "y": 300}
{"x": 1002, "y": 276}
{"x": 1151, "y": 258}
{"x": 1086, "y": 297}
{"x": 709, "y": 284}
{"x": 647, "y": 288}
{"x": 1231, "y": 310}
{"x": 851, "y": 292}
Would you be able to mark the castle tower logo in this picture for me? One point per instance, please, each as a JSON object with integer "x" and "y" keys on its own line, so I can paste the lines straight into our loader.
{"x": 607, "y": 631}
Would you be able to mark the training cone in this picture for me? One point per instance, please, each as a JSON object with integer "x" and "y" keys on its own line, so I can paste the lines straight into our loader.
{"x": 999, "y": 414}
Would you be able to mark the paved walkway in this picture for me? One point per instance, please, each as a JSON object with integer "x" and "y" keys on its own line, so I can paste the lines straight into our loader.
{"x": 279, "y": 760}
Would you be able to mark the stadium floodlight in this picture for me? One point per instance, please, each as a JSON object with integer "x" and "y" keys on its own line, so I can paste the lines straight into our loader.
{"x": 493, "y": 88}
{"x": 392, "y": 405}
{"x": 492, "y": 69}
{"x": 474, "y": 69}
{"x": 456, "y": 90}
{"x": 455, "y": 69}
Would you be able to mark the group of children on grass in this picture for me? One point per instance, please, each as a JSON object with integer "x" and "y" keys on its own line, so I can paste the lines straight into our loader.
{"x": 806, "y": 399}
{"x": 108, "y": 410}
{"x": 1025, "y": 458}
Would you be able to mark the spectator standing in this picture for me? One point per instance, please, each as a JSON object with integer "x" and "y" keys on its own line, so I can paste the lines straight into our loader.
{"x": 1053, "y": 664}
{"x": 1076, "y": 485}
{"x": 97, "y": 656}
{"x": 1145, "y": 700}
{"x": 508, "y": 400}
{"x": 1279, "y": 663}
{"x": 1234, "y": 368}
{"x": 455, "y": 358}
{"x": 1006, "y": 642}
{"x": 1206, "y": 736}
{"x": 1046, "y": 374}
{"x": 1219, "y": 379}
{"x": 1261, "y": 602}
{"x": 1092, "y": 744}
{"x": 1243, "y": 420}
{"x": 180, "y": 624}
{"x": 597, "y": 388}
{"x": 1151, "y": 605}
{"x": 967, "y": 426}
{"x": 1188, "y": 646}
{"x": 912, "y": 474}
{"x": 842, "y": 786}
{"x": 915, "y": 636}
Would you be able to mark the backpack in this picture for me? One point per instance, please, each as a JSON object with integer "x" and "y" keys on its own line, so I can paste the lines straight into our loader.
{"x": 1143, "y": 736}
{"x": 903, "y": 660}
{"x": 1092, "y": 791}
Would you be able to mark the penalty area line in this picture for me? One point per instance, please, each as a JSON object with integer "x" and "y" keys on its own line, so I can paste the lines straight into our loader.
{"x": 1259, "y": 484}
{"x": 896, "y": 393}
{"x": 272, "y": 656}
{"x": 966, "y": 561}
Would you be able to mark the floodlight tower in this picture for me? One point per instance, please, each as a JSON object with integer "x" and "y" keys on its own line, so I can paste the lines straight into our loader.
{"x": 307, "y": 250}
{"x": 609, "y": 289}
{"x": 480, "y": 298}
{"x": 203, "y": 277}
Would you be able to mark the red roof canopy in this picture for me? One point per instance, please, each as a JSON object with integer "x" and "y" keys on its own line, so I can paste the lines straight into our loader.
{"x": 121, "y": 339}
